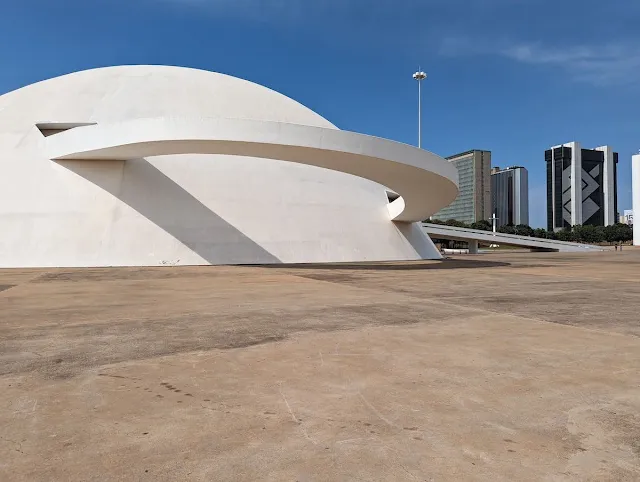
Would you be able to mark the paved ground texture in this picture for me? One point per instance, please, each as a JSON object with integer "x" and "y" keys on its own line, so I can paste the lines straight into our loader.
{"x": 501, "y": 367}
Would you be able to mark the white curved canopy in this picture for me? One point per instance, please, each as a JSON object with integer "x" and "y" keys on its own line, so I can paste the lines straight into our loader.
{"x": 425, "y": 182}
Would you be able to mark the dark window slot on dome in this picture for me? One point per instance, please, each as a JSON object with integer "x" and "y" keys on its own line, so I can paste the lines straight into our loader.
{"x": 51, "y": 128}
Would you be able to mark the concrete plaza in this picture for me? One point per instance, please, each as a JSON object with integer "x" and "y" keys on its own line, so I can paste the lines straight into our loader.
{"x": 508, "y": 366}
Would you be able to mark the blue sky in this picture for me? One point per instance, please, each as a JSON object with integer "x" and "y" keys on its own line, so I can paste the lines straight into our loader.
{"x": 510, "y": 76}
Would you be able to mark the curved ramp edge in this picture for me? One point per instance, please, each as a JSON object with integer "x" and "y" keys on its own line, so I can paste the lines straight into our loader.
{"x": 425, "y": 181}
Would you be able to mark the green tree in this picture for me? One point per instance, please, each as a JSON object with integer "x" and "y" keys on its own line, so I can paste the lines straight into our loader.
{"x": 618, "y": 233}
{"x": 540, "y": 233}
{"x": 565, "y": 235}
{"x": 524, "y": 230}
{"x": 610, "y": 234}
{"x": 577, "y": 232}
{"x": 483, "y": 225}
{"x": 626, "y": 232}
{"x": 455, "y": 223}
{"x": 598, "y": 234}
{"x": 588, "y": 234}
{"x": 507, "y": 229}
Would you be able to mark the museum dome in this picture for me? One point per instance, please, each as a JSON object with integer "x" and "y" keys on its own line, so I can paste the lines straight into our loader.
{"x": 113, "y": 94}
{"x": 156, "y": 165}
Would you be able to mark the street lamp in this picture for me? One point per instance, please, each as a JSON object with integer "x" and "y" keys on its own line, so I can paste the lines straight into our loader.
{"x": 493, "y": 220}
{"x": 419, "y": 76}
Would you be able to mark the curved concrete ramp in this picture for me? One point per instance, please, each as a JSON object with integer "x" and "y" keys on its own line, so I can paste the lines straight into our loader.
{"x": 425, "y": 181}
{"x": 440, "y": 231}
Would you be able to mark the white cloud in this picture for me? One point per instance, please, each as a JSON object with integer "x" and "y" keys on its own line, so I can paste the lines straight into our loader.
{"x": 599, "y": 65}
{"x": 609, "y": 64}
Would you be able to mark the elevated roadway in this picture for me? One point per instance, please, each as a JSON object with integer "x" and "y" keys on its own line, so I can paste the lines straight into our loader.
{"x": 475, "y": 236}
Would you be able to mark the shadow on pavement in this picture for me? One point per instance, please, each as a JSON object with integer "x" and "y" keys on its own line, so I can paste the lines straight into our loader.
{"x": 395, "y": 266}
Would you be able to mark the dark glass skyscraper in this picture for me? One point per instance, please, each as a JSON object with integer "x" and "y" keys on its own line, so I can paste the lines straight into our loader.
{"x": 581, "y": 186}
{"x": 510, "y": 195}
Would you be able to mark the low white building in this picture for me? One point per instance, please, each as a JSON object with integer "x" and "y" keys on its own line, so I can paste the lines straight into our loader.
{"x": 635, "y": 179}
{"x": 153, "y": 165}
{"x": 627, "y": 217}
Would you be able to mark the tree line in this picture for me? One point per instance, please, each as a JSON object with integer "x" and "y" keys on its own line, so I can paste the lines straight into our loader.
{"x": 616, "y": 233}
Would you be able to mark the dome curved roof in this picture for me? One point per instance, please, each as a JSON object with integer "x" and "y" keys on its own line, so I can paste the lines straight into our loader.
{"x": 154, "y": 165}
{"x": 112, "y": 94}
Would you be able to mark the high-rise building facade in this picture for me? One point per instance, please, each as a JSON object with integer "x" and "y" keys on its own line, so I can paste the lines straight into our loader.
{"x": 581, "y": 186}
{"x": 510, "y": 195}
{"x": 474, "y": 182}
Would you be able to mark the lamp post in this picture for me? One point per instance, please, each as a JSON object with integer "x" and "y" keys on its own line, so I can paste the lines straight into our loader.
{"x": 419, "y": 76}
{"x": 493, "y": 220}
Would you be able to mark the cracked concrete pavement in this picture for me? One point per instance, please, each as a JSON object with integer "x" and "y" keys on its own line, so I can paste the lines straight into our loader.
{"x": 509, "y": 366}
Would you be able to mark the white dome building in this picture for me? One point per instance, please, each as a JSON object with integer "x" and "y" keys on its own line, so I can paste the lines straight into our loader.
{"x": 152, "y": 165}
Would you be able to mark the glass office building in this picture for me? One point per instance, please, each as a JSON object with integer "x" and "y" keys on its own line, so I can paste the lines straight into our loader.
{"x": 581, "y": 186}
{"x": 474, "y": 181}
{"x": 510, "y": 195}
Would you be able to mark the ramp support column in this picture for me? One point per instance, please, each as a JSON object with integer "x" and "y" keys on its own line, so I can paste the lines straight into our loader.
{"x": 473, "y": 247}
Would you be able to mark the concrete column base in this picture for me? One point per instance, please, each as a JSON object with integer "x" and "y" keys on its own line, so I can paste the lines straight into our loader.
{"x": 473, "y": 247}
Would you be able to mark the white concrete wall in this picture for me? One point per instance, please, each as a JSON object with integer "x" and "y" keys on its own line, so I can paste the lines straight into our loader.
{"x": 635, "y": 177}
{"x": 179, "y": 209}
{"x": 608, "y": 186}
{"x": 522, "y": 195}
{"x": 576, "y": 182}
